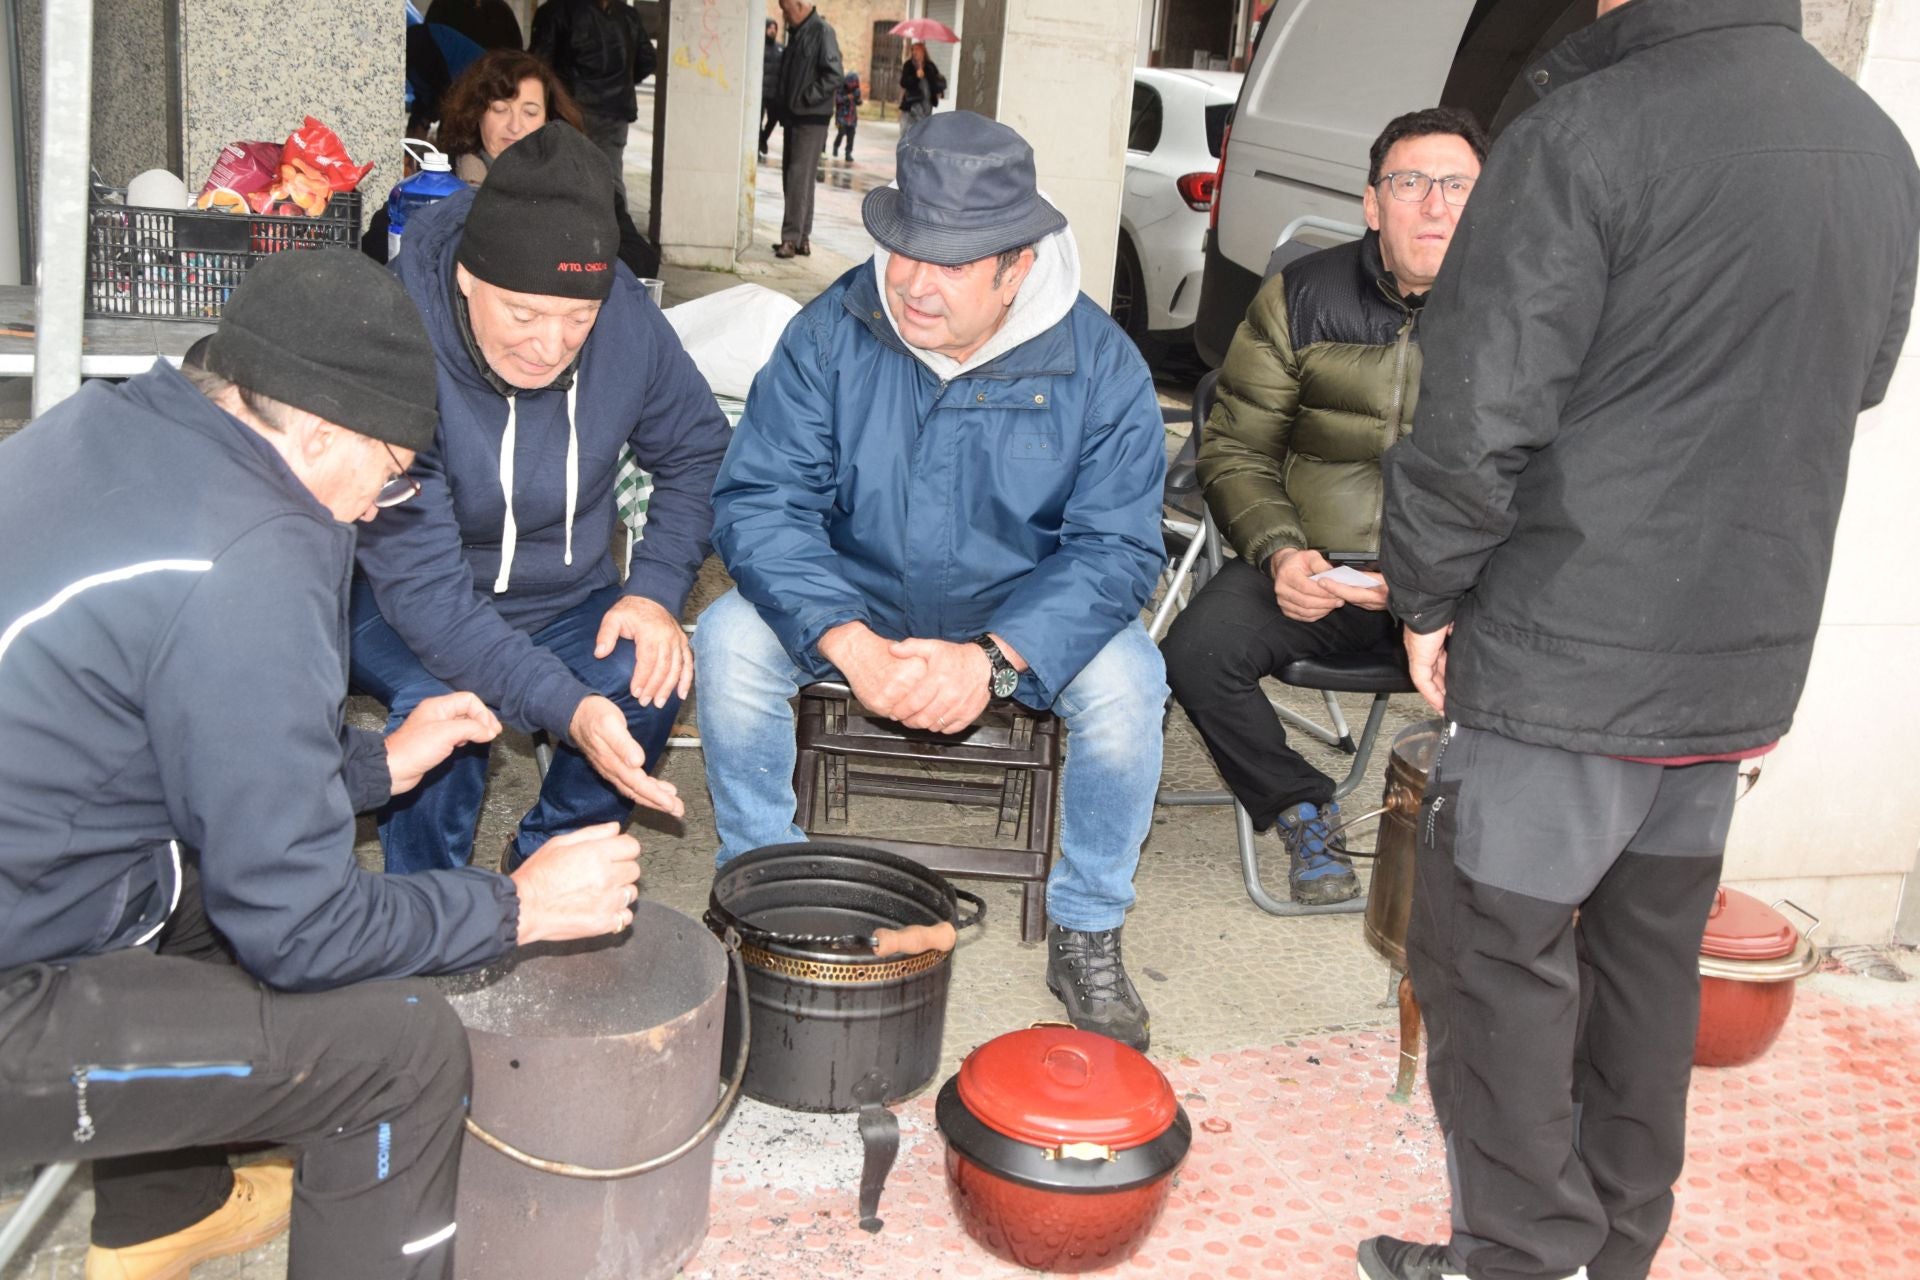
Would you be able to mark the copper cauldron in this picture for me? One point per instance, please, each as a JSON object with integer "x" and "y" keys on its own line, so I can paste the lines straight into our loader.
{"x": 1390, "y": 893}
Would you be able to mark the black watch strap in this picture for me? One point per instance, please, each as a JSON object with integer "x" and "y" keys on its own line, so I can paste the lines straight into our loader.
{"x": 1002, "y": 678}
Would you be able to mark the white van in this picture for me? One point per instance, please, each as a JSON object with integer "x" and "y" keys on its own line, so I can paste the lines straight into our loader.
{"x": 1325, "y": 77}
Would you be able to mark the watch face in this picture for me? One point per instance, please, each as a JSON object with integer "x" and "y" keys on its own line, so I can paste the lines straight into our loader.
{"x": 1005, "y": 681}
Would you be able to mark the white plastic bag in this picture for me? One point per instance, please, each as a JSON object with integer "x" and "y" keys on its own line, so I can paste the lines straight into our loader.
{"x": 732, "y": 333}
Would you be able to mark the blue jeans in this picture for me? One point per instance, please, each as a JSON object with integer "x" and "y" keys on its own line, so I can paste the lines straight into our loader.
{"x": 432, "y": 826}
{"x": 1112, "y": 711}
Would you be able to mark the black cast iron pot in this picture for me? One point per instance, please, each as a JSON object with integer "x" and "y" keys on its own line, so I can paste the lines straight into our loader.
{"x": 836, "y": 1028}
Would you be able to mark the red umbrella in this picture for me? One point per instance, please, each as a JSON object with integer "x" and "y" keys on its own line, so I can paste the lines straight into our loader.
{"x": 925, "y": 29}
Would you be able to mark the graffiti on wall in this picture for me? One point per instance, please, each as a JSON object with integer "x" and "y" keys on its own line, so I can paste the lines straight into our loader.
{"x": 707, "y": 63}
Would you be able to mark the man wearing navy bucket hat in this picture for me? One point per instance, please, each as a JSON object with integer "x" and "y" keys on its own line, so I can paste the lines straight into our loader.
{"x": 945, "y": 490}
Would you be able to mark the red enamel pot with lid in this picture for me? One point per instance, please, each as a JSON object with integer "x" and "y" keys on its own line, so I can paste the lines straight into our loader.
{"x": 1061, "y": 1147}
{"x": 1750, "y": 959}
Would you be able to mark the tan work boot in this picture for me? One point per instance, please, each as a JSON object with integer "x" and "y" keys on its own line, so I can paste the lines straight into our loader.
{"x": 255, "y": 1213}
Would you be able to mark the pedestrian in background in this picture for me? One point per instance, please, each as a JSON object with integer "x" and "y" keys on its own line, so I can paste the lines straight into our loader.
{"x": 921, "y": 85}
{"x": 846, "y": 112}
{"x": 809, "y": 77}
{"x": 601, "y": 54}
{"x": 770, "y": 84}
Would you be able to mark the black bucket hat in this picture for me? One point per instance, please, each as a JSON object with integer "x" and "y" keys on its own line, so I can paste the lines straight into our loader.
{"x": 966, "y": 191}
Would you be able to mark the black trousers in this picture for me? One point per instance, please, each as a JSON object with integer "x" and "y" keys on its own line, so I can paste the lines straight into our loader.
{"x": 1229, "y": 636}
{"x": 844, "y": 133}
{"x": 1559, "y": 1054}
{"x": 768, "y": 119}
{"x": 149, "y": 1064}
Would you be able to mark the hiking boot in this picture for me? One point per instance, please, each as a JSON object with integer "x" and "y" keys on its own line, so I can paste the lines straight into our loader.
{"x": 1318, "y": 872}
{"x": 784, "y": 249}
{"x": 804, "y": 248}
{"x": 1085, "y": 972}
{"x": 1385, "y": 1258}
{"x": 256, "y": 1212}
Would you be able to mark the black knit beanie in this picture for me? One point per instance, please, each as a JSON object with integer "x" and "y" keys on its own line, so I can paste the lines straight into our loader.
{"x": 543, "y": 221}
{"x": 332, "y": 332}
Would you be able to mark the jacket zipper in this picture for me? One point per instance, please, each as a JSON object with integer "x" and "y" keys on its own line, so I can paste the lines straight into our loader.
{"x": 83, "y": 1129}
{"x": 1400, "y": 374}
{"x": 1433, "y": 767}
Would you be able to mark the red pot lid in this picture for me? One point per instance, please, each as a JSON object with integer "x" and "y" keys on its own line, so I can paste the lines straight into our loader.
{"x": 1741, "y": 927}
{"x": 1051, "y": 1085}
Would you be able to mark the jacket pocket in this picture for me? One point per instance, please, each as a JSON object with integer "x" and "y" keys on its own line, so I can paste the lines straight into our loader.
{"x": 1034, "y": 446}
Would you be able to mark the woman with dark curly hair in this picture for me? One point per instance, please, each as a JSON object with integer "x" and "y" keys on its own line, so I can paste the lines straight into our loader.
{"x": 501, "y": 98}
{"x": 504, "y": 96}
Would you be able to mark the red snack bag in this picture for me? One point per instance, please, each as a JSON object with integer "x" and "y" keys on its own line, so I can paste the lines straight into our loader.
{"x": 316, "y": 152}
{"x": 244, "y": 168}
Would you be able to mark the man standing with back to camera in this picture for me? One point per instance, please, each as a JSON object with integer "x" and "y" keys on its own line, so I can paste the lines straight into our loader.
{"x": 1684, "y": 271}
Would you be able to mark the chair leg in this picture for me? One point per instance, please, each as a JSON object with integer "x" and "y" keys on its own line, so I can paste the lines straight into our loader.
{"x": 1376, "y": 715}
{"x": 806, "y": 786}
{"x": 1250, "y": 873}
{"x": 1409, "y": 1042}
{"x": 1033, "y": 910}
{"x": 26, "y": 1215}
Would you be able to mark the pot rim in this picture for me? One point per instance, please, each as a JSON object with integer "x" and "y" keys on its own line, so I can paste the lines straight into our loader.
{"x": 1796, "y": 964}
{"x": 1031, "y": 1166}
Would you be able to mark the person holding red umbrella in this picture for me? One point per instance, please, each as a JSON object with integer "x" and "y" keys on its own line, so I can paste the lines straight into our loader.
{"x": 921, "y": 85}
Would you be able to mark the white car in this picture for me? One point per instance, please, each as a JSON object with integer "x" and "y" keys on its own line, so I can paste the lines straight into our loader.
{"x": 1173, "y": 155}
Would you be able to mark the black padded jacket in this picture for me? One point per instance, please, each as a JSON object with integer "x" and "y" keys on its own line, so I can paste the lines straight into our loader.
{"x": 1684, "y": 272}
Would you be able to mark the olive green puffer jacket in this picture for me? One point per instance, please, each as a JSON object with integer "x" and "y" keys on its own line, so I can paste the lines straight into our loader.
{"x": 1320, "y": 380}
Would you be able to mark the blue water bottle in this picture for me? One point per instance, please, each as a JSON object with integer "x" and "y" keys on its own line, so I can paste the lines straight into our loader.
{"x": 435, "y": 181}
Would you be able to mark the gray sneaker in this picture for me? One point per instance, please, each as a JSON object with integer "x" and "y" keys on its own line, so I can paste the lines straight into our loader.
{"x": 1085, "y": 972}
{"x": 1318, "y": 870}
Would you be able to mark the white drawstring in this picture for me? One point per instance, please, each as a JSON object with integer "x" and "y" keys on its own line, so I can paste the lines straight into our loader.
{"x": 573, "y": 463}
{"x": 509, "y": 534}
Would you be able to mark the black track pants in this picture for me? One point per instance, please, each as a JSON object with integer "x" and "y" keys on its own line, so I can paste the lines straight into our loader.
{"x": 146, "y": 1053}
{"x": 1230, "y": 635}
{"x": 1559, "y": 1055}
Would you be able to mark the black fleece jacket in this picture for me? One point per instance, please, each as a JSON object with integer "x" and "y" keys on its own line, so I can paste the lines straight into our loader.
{"x": 173, "y": 681}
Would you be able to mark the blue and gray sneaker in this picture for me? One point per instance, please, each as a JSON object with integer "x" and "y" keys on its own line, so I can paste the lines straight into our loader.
{"x": 1318, "y": 871}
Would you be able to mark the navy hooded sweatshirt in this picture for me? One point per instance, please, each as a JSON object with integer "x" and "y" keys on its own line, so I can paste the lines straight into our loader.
{"x": 435, "y": 563}
{"x": 173, "y": 682}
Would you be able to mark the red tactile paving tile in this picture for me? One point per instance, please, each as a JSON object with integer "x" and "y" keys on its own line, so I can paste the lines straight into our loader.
{"x": 1804, "y": 1166}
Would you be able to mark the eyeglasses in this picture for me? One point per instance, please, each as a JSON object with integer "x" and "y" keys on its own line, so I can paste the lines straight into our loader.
{"x": 399, "y": 489}
{"x": 1412, "y": 186}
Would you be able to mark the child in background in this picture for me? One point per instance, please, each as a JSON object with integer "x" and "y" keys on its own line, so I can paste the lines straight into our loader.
{"x": 846, "y": 112}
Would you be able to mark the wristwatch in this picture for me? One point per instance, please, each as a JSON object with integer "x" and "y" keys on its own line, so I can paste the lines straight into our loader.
{"x": 1002, "y": 679}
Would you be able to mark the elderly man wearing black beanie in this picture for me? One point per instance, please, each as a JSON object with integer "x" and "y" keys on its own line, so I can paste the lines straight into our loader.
{"x": 497, "y": 579}
{"x": 190, "y": 946}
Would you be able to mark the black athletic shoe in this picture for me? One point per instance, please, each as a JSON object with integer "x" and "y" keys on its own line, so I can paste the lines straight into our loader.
{"x": 1385, "y": 1258}
{"x": 1085, "y": 972}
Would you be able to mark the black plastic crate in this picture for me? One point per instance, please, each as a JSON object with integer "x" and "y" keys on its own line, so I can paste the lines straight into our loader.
{"x": 181, "y": 264}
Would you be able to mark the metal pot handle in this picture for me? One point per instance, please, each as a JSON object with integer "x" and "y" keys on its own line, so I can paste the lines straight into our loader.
{"x": 737, "y": 998}
{"x": 979, "y": 909}
{"x": 1809, "y": 931}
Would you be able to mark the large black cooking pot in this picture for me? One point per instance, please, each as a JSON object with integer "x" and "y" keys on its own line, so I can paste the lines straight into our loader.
{"x": 836, "y": 1028}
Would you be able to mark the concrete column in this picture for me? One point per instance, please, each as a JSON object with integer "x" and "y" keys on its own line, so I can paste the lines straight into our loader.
{"x": 710, "y": 124}
{"x": 1059, "y": 75}
{"x": 1835, "y": 820}
{"x": 252, "y": 71}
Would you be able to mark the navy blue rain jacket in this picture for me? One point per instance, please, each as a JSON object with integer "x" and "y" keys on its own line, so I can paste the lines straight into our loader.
{"x": 433, "y": 562}
{"x": 173, "y": 681}
{"x": 1022, "y": 497}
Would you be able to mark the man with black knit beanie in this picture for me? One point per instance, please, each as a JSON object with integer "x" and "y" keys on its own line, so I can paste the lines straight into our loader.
{"x": 190, "y": 950}
{"x": 552, "y": 365}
